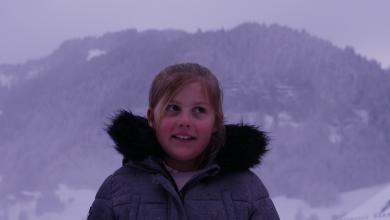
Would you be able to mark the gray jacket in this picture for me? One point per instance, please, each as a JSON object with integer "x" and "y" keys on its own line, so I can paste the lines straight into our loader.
{"x": 143, "y": 189}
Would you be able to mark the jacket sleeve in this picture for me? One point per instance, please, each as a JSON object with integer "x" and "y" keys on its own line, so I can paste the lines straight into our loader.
{"x": 264, "y": 209}
{"x": 262, "y": 206}
{"x": 101, "y": 208}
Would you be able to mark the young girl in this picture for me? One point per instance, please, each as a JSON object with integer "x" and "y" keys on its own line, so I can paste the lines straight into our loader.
{"x": 182, "y": 162}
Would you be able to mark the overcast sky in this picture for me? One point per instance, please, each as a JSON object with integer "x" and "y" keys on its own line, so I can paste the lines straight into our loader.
{"x": 32, "y": 29}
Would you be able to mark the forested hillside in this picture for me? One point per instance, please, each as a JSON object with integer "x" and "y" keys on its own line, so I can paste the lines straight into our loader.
{"x": 325, "y": 108}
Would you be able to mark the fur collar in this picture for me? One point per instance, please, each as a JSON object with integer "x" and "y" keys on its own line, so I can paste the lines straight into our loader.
{"x": 135, "y": 140}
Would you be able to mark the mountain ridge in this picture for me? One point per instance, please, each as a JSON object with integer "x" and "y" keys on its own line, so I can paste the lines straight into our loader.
{"x": 312, "y": 95}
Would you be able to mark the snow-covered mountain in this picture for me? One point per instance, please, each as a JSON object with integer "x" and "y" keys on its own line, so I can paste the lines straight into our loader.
{"x": 324, "y": 107}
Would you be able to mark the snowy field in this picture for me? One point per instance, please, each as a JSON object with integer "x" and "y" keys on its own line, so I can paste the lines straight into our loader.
{"x": 368, "y": 203}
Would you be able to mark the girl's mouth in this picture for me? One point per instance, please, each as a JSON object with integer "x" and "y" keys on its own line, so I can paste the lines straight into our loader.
{"x": 183, "y": 137}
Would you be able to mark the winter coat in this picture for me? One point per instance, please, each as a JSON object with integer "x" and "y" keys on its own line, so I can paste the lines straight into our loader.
{"x": 143, "y": 189}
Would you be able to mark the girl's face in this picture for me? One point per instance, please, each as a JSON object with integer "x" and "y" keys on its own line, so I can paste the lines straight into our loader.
{"x": 185, "y": 127}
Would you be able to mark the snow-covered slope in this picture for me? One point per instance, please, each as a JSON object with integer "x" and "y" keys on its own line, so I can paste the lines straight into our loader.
{"x": 367, "y": 203}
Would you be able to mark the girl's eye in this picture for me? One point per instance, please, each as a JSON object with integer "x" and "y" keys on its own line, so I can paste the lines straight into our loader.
{"x": 172, "y": 108}
{"x": 200, "y": 110}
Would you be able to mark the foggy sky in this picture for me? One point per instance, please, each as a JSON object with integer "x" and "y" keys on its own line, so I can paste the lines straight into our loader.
{"x": 33, "y": 29}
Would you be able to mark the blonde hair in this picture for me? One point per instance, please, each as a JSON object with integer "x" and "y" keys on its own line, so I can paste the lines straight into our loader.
{"x": 167, "y": 84}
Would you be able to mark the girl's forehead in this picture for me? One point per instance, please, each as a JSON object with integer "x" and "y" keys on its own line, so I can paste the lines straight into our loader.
{"x": 188, "y": 87}
{"x": 194, "y": 87}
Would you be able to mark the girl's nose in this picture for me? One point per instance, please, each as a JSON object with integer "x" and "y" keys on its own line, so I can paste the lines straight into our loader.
{"x": 185, "y": 120}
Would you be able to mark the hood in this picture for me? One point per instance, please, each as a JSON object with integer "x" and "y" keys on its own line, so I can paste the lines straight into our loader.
{"x": 244, "y": 147}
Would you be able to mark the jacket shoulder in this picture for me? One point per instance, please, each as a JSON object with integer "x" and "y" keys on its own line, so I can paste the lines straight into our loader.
{"x": 107, "y": 188}
{"x": 124, "y": 170}
{"x": 262, "y": 205}
{"x": 109, "y": 195}
{"x": 102, "y": 205}
{"x": 259, "y": 189}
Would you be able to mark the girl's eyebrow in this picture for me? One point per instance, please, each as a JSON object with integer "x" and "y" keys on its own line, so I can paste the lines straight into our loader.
{"x": 196, "y": 103}
{"x": 201, "y": 103}
{"x": 173, "y": 102}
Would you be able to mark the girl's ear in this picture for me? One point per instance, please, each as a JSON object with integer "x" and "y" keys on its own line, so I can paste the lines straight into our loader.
{"x": 150, "y": 118}
{"x": 215, "y": 129}
{"x": 220, "y": 119}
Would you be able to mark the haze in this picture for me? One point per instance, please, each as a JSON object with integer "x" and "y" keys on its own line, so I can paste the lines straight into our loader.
{"x": 33, "y": 29}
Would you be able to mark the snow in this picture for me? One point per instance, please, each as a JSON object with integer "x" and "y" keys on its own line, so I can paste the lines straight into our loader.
{"x": 334, "y": 136}
{"x": 20, "y": 209}
{"x": 5, "y": 80}
{"x": 266, "y": 121}
{"x": 33, "y": 73}
{"x": 95, "y": 53}
{"x": 349, "y": 204}
{"x": 31, "y": 194}
{"x": 378, "y": 206}
{"x": 285, "y": 119}
{"x": 11, "y": 197}
{"x": 269, "y": 121}
{"x": 296, "y": 209}
{"x": 76, "y": 205}
{"x": 363, "y": 115}
{"x": 286, "y": 90}
{"x": 251, "y": 117}
{"x": 248, "y": 117}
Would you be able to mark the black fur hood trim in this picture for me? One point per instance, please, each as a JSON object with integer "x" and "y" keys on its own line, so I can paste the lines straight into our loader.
{"x": 135, "y": 140}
